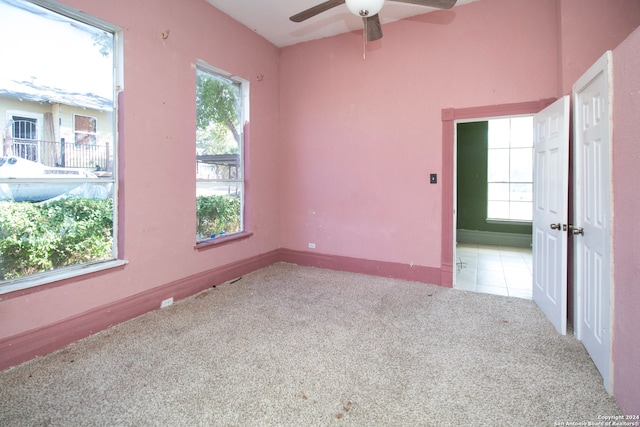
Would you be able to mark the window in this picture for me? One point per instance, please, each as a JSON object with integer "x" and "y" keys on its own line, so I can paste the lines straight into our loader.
{"x": 85, "y": 129}
{"x": 25, "y": 127}
{"x": 25, "y": 135}
{"x": 58, "y": 165}
{"x": 510, "y": 169}
{"x": 221, "y": 111}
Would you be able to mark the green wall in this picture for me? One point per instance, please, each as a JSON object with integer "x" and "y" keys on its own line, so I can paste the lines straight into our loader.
{"x": 472, "y": 182}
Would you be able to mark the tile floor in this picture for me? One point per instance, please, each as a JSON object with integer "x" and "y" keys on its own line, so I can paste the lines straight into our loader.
{"x": 497, "y": 270}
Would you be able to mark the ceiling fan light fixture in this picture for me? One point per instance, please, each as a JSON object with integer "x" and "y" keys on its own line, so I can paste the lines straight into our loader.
{"x": 364, "y": 8}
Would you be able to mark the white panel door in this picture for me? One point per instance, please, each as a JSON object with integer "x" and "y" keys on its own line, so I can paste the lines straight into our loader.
{"x": 592, "y": 213}
{"x": 550, "y": 210}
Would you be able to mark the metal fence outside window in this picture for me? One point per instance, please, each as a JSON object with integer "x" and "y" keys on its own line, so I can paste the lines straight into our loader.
{"x": 62, "y": 153}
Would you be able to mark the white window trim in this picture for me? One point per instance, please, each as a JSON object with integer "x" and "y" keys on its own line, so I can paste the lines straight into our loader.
{"x": 64, "y": 273}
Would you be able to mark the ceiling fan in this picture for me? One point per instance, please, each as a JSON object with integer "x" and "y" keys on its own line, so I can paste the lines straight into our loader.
{"x": 368, "y": 11}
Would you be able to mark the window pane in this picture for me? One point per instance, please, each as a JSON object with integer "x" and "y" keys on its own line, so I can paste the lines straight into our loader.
{"x": 218, "y": 115}
{"x": 219, "y": 168}
{"x": 520, "y": 192}
{"x": 522, "y": 132}
{"x": 36, "y": 192}
{"x": 218, "y": 188}
{"x": 499, "y": 133}
{"x": 75, "y": 228}
{"x": 218, "y": 214}
{"x": 25, "y": 127}
{"x": 498, "y": 165}
{"x": 498, "y": 210}
{"x": 85, "y": 129}
{"x": 498, "y": 191}
{"x": 57, "y": 170}
{"x": 85, "y": 124}
{"x": 521, "y": 165}
{"x": 522, "y": 211}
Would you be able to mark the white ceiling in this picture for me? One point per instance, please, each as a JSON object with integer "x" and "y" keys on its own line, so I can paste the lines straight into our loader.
{"x": 270, "y": 18}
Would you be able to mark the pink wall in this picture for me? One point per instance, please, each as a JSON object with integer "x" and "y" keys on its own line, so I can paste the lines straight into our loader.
{"x": 360, "y": 137}
{"x": 626, "y": 224}
{"x": 588, "y": 29}
{"x": 158, "y": 133}
{"x": 341, "y": 148}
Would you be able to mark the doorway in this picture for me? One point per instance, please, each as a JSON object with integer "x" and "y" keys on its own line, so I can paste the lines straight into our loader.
{"x": 448, "y": 250}
{"x": 449, "y": 118}
{"x": 494, "y": 204}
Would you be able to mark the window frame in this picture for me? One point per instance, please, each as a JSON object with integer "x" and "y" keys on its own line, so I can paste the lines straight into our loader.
{"x": 244, "y": 86}
{"x": 33, "y": 282}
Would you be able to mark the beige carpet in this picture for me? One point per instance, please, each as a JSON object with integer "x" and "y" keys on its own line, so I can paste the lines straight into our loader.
{"x": 297, "y": 346}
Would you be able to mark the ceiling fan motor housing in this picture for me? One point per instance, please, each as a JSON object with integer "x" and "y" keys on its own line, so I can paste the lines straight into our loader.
{"x": 364, "y": 8}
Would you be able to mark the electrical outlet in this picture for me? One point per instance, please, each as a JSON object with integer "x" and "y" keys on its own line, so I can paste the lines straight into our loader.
{"x": 166, "y": 302}
{"x": 312, "y": 245}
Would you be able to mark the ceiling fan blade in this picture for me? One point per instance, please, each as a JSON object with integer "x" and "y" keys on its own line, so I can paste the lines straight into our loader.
{"x": 439, "y": 4}
{"x": 315, "y": 10}
{"x": 373, "y": 27}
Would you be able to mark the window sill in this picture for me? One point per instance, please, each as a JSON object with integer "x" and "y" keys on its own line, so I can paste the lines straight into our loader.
{"x": 219, "y": 241}
{"x": 508, "y": 222}
{"x": 56, "y": 276}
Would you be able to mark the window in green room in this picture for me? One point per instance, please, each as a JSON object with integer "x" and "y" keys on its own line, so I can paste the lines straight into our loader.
{"x": 221, "y": 110}
{"x": 510, "y": 169}
{"x": 58, "y": 206}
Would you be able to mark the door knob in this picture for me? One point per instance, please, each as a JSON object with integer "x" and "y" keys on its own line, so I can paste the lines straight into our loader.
{"x": 557, "y": 226}
{"x": 576, "y": 230}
